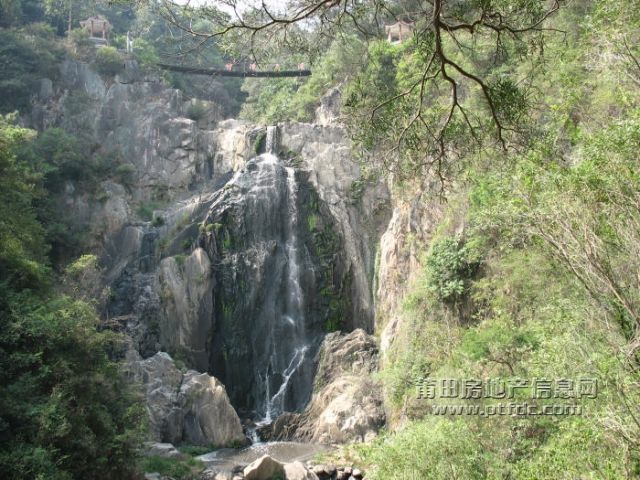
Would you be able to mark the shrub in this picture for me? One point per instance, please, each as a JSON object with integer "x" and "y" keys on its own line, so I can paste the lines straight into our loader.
{"x": 125, "y": 172}
{"x": 83, "y": 47}
{"x": 177, "y": 468}
{"x": 449, "y": 267}
{"x": 195, "y": 450}
{"x": 108, "y": 61}
{"x": 145, "y": 210}
{"x": 28, "y": 54}
{"x": 196, "y": 110}
{"x": 145, "y": 54}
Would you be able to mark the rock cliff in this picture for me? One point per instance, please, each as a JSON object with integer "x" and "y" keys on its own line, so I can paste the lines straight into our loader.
{"x": 234, "y": 248}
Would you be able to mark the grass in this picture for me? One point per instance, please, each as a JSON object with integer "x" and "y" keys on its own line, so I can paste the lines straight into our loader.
{"x": 195, "y": 450}
{"x": 177, "y": 468}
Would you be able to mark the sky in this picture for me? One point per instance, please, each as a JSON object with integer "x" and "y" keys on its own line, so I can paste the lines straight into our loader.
{"x": 272, "y": 5}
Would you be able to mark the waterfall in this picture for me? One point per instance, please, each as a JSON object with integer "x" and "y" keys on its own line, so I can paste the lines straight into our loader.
{"x": 271, "y": 141}
{"x": 272, "y": 372}
{"x": 293, "y": 316}
{"x": 285, "y": 357}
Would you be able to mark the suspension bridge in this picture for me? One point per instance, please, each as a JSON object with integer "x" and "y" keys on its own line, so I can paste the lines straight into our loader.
{"x": 231, "y": 71}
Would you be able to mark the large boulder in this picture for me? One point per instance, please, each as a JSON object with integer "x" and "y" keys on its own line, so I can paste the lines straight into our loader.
{"x": 347, "y": 403}
{"x": 209, "y": 418}
{"x": 161, "y": 381}
{"x": 164, "y": 450}
{"x": 297, "y": 471}
{"x": 264, "y": 468}
{"x": 191, "y": 407}
{"x": 328, "y": 112}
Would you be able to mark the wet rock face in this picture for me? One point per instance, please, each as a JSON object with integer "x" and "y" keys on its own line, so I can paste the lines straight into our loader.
{"x": 278, "y": 284}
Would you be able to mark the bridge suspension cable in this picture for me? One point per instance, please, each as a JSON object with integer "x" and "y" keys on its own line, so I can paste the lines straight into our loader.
{"x": 228, "y": 71}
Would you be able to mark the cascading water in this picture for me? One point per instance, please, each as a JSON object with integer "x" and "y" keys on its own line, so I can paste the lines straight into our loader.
{"x": 271, "y": 274}
{"x": 271, "y": 140}
{"x": 281, "y": 343}
{"x": 292, "y": 318}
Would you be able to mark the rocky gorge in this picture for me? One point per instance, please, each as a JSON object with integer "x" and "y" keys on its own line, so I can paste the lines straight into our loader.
{"x": 240, "y": 260}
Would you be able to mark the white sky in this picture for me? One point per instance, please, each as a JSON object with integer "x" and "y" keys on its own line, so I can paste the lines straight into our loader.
{"x": 272, "y": 5}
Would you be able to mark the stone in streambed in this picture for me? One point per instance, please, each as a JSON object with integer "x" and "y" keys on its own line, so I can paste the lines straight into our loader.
{"x": 297, "y": 471}
{"x": 164, "y": 450}
{"x": 264, "y": 468}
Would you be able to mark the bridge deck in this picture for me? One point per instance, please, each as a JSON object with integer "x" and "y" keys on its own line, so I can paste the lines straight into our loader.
{"x": 231, "y": 73}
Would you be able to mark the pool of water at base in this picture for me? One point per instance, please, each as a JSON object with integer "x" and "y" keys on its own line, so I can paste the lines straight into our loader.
{"x": 225, "y": 459}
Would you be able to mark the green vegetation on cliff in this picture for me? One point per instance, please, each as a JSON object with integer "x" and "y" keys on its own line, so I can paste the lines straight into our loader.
{"x": 65, "y": 409}
{"x": 553, "y": 225}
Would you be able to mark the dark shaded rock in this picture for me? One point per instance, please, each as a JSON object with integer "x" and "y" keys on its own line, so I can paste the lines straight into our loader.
{"x": 278, "y": 283}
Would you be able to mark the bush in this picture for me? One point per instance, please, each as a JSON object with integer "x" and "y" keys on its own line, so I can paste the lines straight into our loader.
{"x": 27, "y": 54}
{"x": 145, "y": 210}
{"x": 125, "y": 173}
{"x": 196, "y": 110}
{"x": 83, "y": 46}
{"x": 449, "y": 267}
{"x": 108, "y": 61}
{"x": 145, "y": 54}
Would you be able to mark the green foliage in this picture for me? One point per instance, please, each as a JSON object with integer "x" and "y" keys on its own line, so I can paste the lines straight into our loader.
{"x": 154, "y": 38}
{"x": 22, "y": 248}
{"x": 312, "y": 222}
{"x": 145, "y": 210}
{"x": 80, "y": 420}
{"x": 195, "y": 450}
{"x": 82, "y": 45}
{"x": 108, "y": 61}
{"x": 227, "y": 242}
{"x": 180, "y": 469}
{"x": 63, "y": 157}
{"x": 274, "y": 100}
{"x": 62, "y": 160}
{"x": 81, "y": 264}
{"x": 428, "y": 450}
{"x": 180, "y": 259}
{"x": 557, "y": 295}
{"x": 125, "y": 172}
{"x": 66, "y": 412}
{"x": 146, "y": 54}
{"x": 196, "y": 110}
{"x": 260, "y": 143}
{"x": 450, "y": 265}
{"x": 28, "y": 54}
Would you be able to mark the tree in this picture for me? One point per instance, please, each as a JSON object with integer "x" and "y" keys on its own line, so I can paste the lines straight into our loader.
{"x": 448, "y": 94}
{"x": 66, "y": 411}
{"x": 29, "y": 53}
